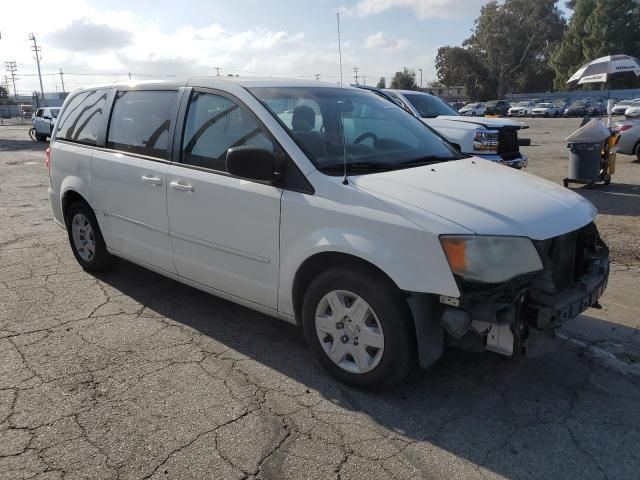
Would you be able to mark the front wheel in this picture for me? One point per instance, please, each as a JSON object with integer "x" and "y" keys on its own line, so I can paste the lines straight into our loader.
{"x": 86, "y": 239}
{"x": 359, "y": 327}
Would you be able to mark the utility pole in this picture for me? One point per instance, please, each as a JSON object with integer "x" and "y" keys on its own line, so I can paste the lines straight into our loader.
{"x": 62, "y": 80}
{"x": 217, "y": 69}
{"x": 317, "y": 75}
{"x": 364, "y": 79}
{"x": 12, "y": 68}
{"x": 420, "y": 78}
{"x": 129, "y": 75}
{"x": 36, "y": 49}
{"x": 355, "y": 71}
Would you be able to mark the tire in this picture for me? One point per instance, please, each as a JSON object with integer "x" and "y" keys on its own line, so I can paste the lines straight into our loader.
{"x": 387, "y": 320}
{"x": 637, "y": 150}
{"x": 40, "y": 138}
{"x": 86, "y": 239}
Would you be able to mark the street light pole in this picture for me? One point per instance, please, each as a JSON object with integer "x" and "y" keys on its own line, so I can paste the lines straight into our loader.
{"x": 37, "y": 50}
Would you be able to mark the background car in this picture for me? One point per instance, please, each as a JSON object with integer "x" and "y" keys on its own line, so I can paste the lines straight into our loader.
{"x": 545, "y": 110}
{"x": 621, "y": 106}
{"x": 497, "y": 107}
{"x": 43, "y": 121}
{"x": 577, "y": 108}
{"x": 456, "y": 105}
{"x": 475, "y": 109}
{"x": 521, "y": 109}
{"x": 597, "y": 109}
{"x": 629, "y": 143}
{"x": 633, "y": 110}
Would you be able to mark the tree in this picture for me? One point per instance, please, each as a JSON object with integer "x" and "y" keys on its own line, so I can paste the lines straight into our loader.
{"x": 382, "y": 83}
{"x": 598, "y": 28}
{"x": 4, "y": 93}
{"x": 514, "y": 40}
{"x": 404, "y": 80}
{"x": 508, "y": 51}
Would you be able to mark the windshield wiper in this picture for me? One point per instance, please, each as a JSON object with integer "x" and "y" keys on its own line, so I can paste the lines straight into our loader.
{"x": 428, "y": 160}
{"x": 359, "y": 166}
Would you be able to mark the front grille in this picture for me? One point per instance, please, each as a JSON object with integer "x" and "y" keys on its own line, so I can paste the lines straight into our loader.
{"x": 508, "y": 147}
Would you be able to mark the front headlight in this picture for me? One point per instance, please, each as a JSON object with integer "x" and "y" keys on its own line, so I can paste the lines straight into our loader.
{"x": 490, "y": 259}
{"x": 485, "y": 141}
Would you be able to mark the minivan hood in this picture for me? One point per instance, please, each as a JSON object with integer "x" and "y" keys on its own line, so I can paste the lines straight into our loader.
{"x": 484, "y": 122}
{"x": 481, "y": 196}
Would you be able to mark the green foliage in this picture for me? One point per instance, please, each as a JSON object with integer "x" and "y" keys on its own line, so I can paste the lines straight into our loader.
{"x": 404, "y": 80}
{"x": 509, "y": 49}
{"x": 382, "y": 83}
{"x": 598, "y": 28}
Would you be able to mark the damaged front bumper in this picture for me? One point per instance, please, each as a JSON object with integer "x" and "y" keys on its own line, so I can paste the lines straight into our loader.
{"x": 499, "y": 317}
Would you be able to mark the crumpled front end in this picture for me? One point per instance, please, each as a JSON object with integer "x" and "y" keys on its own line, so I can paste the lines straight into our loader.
{"x": 502, "y": 317}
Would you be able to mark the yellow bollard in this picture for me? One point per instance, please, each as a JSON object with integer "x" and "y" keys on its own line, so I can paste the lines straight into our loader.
{"x": 612, "y": 142}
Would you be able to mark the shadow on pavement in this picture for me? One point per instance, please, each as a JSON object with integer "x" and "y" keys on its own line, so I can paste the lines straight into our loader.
{"x": 12, "y": 144}
{"x": 518, "y": 417}
{"x": 614, "y": 199}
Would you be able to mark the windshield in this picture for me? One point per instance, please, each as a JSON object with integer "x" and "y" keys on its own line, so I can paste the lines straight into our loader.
{"x": 54, "y": 112}
{"x": 377, "y": 134}
{"x": 429, "y": 106}
{"x": 492, "y": 103}
{"x": 579, "y": 103}
{"x": 522, "y": 104}
{"x": 544, "y": 105}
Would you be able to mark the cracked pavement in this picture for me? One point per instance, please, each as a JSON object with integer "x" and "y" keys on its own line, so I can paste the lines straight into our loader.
{"x": 128, "y": 375}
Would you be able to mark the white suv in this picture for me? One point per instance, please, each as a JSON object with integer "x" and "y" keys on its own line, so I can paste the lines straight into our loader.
{"x": 335, "y": 210}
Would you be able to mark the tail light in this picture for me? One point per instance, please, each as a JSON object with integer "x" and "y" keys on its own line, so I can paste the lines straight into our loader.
{"x": 47, "y": 160}
{"x": 622, "y": 128}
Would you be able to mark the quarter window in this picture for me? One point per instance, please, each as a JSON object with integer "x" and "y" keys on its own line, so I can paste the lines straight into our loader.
{"x": 83, "y": 117}
{"x": 141, "y": 121}
{"x": 215, "y": 124}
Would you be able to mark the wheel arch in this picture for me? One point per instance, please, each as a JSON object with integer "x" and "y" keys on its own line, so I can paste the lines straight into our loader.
{"x": 69, "y": 197}
{"x": 322, "y": 261}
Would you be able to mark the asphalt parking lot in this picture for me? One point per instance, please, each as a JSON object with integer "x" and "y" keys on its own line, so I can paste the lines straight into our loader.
{"x": 129, "y": 375}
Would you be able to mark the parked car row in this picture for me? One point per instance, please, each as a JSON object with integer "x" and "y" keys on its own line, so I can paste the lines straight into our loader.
{"x": 539, "y": 107}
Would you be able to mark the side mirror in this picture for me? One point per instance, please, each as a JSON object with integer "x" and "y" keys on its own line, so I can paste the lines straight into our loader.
{"x": 252, "y": 163}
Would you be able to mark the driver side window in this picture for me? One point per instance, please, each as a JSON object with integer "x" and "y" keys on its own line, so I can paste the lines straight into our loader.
{"x": 215, "y": 124}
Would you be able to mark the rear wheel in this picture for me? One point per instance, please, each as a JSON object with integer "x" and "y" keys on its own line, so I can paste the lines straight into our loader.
{"x": 359, "y": 327}
{"x": 86, "y": 239}
{"x": 40, "y": 138}
{"x": 637, "y": 150}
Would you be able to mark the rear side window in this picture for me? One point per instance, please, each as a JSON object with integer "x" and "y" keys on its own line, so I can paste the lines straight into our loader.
{"x": 39, "y": 113}
{"x": 141, "y": 122}
{"x": 83, "y": 117}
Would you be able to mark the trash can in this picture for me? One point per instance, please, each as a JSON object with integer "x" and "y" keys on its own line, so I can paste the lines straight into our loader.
{"x": 585, "y": 161}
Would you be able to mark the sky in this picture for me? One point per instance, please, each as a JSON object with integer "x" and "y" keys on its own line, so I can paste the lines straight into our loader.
{"x": 95, "y": 41}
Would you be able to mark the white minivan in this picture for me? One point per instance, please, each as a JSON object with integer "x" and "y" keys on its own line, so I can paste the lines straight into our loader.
{"x": 331, "y": 209}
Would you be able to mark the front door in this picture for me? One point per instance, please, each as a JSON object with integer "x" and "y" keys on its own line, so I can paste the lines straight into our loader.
{"x": 224, "y": 229}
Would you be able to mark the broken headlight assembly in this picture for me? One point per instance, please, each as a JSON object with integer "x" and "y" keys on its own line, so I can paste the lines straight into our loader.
{"x": 489, "y": 259}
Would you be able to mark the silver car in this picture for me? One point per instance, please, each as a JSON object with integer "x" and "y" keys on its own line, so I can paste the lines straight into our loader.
{"x": 629, "y": 143}
{"x": 43, "y": 121}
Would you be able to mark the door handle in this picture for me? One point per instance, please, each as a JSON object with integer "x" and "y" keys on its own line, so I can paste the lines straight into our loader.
{"x": 181, "y": 187}
{"x": 151, "y": 180}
